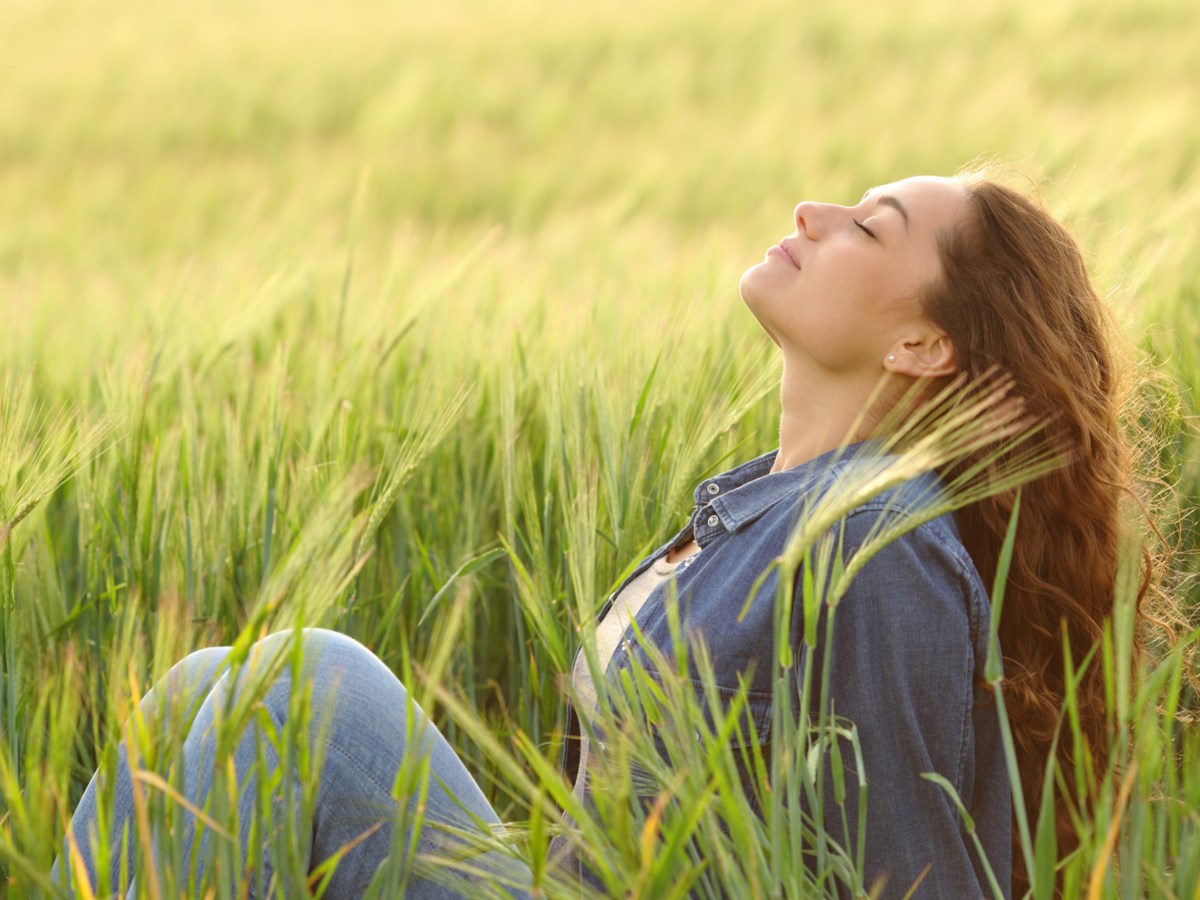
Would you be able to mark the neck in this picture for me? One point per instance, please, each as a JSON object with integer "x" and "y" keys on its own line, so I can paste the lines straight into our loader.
{"x": 819, "y": 413}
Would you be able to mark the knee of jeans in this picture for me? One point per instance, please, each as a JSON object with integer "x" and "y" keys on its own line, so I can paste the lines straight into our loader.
{"x": 315, "y": 643}
{"x": 347, "y": 681}
{"x": 194, "y": 673}
{"x": 328, "y": 654}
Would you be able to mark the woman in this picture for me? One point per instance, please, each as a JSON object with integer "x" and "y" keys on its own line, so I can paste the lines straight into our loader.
{"x": 922, "y": 280}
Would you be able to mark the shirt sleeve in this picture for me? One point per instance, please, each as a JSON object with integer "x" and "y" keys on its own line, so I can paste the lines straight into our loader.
{"x": 901, "y": 669}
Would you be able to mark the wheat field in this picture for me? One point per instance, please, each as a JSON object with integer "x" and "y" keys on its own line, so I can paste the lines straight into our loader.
{"x": 420, "y": 322}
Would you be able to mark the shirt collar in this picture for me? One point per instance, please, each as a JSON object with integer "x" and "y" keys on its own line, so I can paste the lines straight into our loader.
{"x": 745, "y": 492}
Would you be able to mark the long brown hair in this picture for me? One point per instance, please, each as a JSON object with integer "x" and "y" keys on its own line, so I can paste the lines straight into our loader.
{"x": 1015, "y": 294}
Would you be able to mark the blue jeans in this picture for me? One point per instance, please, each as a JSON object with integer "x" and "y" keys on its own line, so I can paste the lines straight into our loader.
{"x": 366, "y": 738}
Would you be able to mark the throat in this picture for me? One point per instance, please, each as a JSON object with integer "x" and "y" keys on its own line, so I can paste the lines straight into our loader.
{"x": 819, "y": 414}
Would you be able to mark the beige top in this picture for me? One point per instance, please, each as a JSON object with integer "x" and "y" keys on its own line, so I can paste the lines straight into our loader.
{"x": 609, "y": 632}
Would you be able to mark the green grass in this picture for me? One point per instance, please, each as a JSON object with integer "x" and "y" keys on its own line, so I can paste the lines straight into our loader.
{"x": 309, "y": 308}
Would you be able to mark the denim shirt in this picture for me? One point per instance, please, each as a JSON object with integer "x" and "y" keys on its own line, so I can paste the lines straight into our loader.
{"x": 907, "y": 657}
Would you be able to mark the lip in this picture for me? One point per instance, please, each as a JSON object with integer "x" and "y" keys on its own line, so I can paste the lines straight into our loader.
{"x": 787, "y": 252}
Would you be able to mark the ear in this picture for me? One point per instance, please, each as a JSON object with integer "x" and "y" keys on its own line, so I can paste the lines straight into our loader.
{"x": 927, "y": 355}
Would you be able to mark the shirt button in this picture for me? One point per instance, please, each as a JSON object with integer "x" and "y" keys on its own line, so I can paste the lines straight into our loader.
{"x": 714, "y": 488}
{"x": 713, "y": 521}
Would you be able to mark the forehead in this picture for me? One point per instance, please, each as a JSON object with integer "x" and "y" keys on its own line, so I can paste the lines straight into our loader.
{"x": 932, "y": 202}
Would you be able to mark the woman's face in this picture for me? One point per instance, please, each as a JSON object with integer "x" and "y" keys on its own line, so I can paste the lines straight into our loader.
{"x": 842, "y": 288}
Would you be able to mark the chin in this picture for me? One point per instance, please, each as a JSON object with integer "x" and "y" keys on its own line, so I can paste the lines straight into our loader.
{"x": 752, "y": 295}
{"x": 749, "y": 286}
{"x": 760, "y": 287}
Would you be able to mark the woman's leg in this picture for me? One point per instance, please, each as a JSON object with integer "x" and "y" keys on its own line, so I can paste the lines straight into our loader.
{"x": 177, "y": 692}
{"x": 366, "y": 741}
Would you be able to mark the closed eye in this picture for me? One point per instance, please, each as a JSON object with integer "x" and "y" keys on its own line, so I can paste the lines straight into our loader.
{"x": 869, "y": 232}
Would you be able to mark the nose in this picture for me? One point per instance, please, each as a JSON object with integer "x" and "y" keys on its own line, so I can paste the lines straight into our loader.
{"x": 808, "y": 217}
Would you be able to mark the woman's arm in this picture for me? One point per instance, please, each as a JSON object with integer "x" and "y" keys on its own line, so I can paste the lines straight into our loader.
{"x": 905, "y": 649}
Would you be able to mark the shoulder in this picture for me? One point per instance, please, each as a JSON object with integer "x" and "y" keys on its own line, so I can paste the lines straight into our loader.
{"x": 914, "y": 513}
{"x": 903, "y": 550}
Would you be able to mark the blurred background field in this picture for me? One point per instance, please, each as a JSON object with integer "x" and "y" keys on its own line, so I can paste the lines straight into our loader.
{"x": 484, "y": 255}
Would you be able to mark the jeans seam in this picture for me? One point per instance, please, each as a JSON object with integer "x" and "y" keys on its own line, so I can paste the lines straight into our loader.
{"x": 362, "y": 769}
{"x": 333, "y": 744}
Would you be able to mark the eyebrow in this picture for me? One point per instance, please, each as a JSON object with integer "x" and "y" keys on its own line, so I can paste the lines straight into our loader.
{"x": 894, "y": 203}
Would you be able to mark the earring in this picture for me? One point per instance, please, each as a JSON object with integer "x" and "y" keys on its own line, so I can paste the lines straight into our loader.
{"x": 891, "y": 357}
